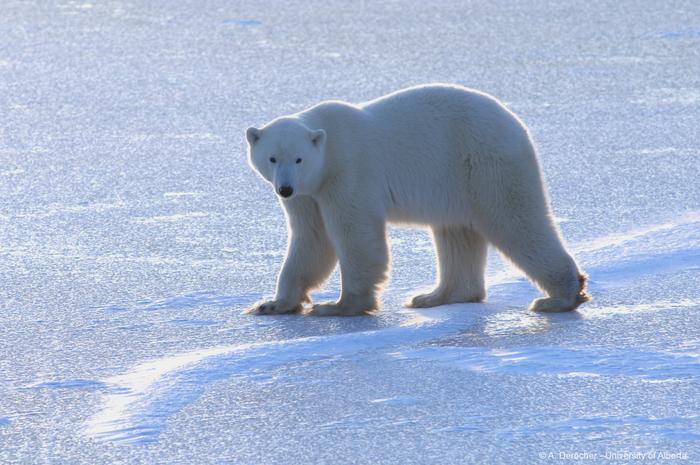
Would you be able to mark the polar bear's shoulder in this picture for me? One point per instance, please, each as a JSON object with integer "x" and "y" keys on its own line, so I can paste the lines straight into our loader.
{"x": 331, "y": 108}
{"x": 330, "y": 113}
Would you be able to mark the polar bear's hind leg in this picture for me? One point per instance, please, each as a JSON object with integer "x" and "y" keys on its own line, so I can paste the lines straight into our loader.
{"x": 533, "y": 245}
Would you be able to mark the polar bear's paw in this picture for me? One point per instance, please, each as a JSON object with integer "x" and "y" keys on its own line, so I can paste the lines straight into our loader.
{"x": 557, "y": 305}
{"x": 553, "y": 304}
{"x": 442, "y": 297}
{"x": 432, "y": 299}
{"x": 339, "y": 309}
{"x": 274, "y": 307}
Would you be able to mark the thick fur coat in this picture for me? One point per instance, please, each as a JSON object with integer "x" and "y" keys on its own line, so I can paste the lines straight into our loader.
{"x": 445, "y": 156}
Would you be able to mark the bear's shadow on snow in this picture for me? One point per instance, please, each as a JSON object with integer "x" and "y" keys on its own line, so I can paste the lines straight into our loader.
{"x": 279, "y": 326}
{"x": 494, "y": 318}
{"x": 298, "y": 325}
{"x": 500, "y": 322}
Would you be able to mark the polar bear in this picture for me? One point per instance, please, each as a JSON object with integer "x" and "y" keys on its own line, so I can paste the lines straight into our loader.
{"x": 444, "y": 156}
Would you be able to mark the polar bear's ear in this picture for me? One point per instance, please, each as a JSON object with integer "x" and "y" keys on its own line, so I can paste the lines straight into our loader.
{"x": 253, "y": 135}
{"x": 317, "y": 137}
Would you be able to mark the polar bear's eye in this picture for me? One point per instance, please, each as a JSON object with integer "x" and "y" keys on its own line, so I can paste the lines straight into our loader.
{"x": 298, "y": 160}
{"x": 273, "y": 160}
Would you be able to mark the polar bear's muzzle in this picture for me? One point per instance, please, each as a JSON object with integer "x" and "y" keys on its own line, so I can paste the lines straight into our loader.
{"x": 285, "y": 191}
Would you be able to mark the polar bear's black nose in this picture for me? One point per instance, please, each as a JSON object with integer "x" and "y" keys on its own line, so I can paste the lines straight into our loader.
{"x": 286, "y": 191}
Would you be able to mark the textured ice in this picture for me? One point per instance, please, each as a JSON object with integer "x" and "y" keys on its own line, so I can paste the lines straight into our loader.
{"x": 133, "y": 234}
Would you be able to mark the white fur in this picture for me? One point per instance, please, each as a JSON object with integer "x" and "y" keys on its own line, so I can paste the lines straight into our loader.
{"x": 444, "y": 156}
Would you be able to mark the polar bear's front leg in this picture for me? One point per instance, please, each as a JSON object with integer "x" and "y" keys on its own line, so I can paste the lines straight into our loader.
{"x": 309, "y": 261}
{"x": 461, "y": 254}
{"x": 362, "y": 249}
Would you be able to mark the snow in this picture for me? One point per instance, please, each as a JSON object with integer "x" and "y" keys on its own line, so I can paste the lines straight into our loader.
{"x": 133, "y": 234}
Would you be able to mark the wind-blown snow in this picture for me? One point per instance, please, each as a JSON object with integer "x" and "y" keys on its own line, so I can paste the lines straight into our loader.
{"x": 133, "y": 234}
{"x": 143, "y": 398}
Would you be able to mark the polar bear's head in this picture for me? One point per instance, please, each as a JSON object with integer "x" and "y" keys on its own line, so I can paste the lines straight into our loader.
{"x": 288, "y": 155}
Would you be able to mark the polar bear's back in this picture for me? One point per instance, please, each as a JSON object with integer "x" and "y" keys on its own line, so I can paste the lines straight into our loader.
{"x": 438, "y": 109}
{"x": 441, "y": 147}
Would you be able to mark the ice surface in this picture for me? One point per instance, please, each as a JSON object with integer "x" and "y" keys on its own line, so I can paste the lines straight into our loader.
{"x": 132, "y": 234}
